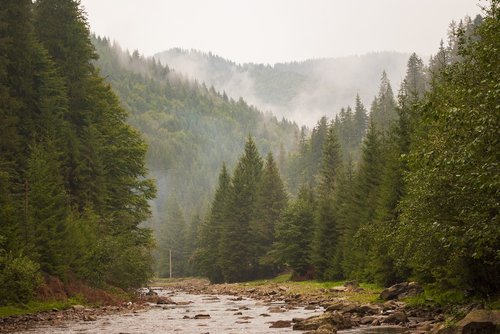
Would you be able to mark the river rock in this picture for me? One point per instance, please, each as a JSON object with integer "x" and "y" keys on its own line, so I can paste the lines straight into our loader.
{"x": 368, "y": 309}
{"x": 276, "y": 309}
{"x": 398, "y": 317}
{"x": 367, "y": 320}
{"x": 328, "y": 318}
{"x": 479, "y": 321}
{"x": 89, "y": 318}
{"x": 78, "y": 307}
{"x": 400, "y": 290}
{"x": 281, "y": 324}
{"x": 202, "y": 316}
{"x": 342, "y": 307}
{"x": 165, "y": 301}
{"x": 325, "y": 329}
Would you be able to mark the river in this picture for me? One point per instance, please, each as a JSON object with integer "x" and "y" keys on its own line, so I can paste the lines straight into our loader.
{"x": 200, "y": 314}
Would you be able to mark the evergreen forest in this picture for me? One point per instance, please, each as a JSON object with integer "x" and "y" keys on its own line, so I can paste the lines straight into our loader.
{"x": 115, "y": 167}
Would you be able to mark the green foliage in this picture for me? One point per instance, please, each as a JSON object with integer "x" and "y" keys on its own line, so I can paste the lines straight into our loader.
{"x": 207, "y": 254}
{"x": 294, "y": 233}
{"x": 451, "y": 205}
{"x": 19, "y": 278}
{"x": 325, "y": 237}
{"x": 270, "y": 201}
{"x": 73, "y": 186}
{"x": 35, "y": 306}
{"x": 383, "y": 109}
{"x": 237, "y": 245}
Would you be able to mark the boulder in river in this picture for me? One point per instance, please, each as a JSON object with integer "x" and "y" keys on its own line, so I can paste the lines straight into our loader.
{"x": 398, "y": 317}
{"x": 281, "y": 324}
{"x": 202, "y": 316}
{"x": 400, "y": 290}
{"x": 325, "y": 329}
{"x": 328, "y": 318}
{"x": 164, "y": 301}
{"x": 477, "y": 321}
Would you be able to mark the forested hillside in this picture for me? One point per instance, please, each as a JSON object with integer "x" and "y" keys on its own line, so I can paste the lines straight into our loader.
{"x": 190, "y": 129}
{"x": 300, "y": 91}
{"x": 420, "y": 203}
{"x": 109, "y": 161}
{"x": 73, "y": 183}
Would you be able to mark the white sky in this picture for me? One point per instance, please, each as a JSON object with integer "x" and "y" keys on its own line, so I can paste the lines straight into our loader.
{"x": 269, "y": 31}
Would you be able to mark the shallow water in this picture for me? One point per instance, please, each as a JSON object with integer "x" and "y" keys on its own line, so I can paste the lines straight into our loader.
{"x": 224, "y": 311}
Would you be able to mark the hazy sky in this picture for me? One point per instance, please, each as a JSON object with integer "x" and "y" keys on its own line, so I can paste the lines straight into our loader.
{"x": 269, "y": 31}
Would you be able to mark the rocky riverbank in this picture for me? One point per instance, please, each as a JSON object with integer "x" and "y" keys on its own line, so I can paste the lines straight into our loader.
{"x": 55, "y": 317}
{"x": 348, "y": 306}
{"x": 310, "y": 307}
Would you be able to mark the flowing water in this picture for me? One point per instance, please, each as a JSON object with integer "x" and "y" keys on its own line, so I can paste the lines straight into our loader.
{"x": 227, "y": 315}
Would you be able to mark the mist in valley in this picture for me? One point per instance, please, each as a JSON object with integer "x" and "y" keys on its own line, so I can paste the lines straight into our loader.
{"x": 301, "y": 91}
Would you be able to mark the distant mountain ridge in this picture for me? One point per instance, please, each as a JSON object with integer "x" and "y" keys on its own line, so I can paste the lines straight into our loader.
{"x": 301, "y": 91}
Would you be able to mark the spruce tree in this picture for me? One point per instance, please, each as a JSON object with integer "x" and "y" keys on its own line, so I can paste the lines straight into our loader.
{"x": 362, "y": 207}
{"x": 294, "y": 235}
{"x": 325, "y": 240}
{"x": 47, "y": 210}
{"x": 207, "y": 254}
{"x": 383, "y": 111}
{"x": 238, "y": 262}
{"x": 270, "y": 202}
{"x": 360, "y": 121}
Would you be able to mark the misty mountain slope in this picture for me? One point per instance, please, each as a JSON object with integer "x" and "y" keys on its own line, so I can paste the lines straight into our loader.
{"x": 190, "y": 129}
{"x": 301, "y": 91}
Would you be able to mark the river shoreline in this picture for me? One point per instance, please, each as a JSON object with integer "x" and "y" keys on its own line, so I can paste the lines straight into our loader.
{"x": 348, "y": 309}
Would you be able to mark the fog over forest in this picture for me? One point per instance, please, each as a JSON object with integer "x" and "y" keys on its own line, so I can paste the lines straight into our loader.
{"x": 301, "y": 91}
{"x": 360, "y": 189}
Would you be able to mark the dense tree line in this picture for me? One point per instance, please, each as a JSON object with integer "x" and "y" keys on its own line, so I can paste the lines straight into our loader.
{"x": 239, "y": 231}
{"x": 73, "y": 183}
{"x": 420, "y": 199}
{"x": 190, "y": 130}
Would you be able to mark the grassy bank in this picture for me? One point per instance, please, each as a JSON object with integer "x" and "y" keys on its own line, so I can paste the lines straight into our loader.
{"x": 38, "y": 306}
{"x": 367, "y": 294}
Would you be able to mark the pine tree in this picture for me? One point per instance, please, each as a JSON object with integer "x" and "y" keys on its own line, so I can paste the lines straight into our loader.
{"x": 294, "y": 235}
{"x": 207, "y": 255}
{"x": 360, "y": 121}
{"x": 270, "y": 201}
{"x": 362, "y": 207}
{"x": 383, "y": 111}
{"x": 325, "y": 232}
{"x": 237, "y": 245}
{"x": 47, "y": 210}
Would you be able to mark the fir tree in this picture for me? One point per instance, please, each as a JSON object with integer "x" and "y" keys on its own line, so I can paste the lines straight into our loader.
{"x": 237, "y": 246}
{"x": 207, "y": 255}
{"x": 294, "y": 235}
{"x": 270, "y": 202}
{"x": 326, "y": 236}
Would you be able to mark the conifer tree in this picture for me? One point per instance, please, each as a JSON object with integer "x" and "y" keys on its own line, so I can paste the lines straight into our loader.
{"x": 47, "y": 210}
{"x": 207, "y": 254}
{"x": 360, "y": 121}
{"x": 362, "y": 207}
{"x": 270, "y": 202}
{"x": 325, "y": 240}
{"x": 449, "y": 222}
{"x": 237, "y": 246}
{"x": 383, "y": 111}
{"x": 294, "y": 234}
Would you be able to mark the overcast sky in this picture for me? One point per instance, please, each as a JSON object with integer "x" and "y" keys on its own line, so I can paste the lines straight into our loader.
{"x": 269, "y": 31}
